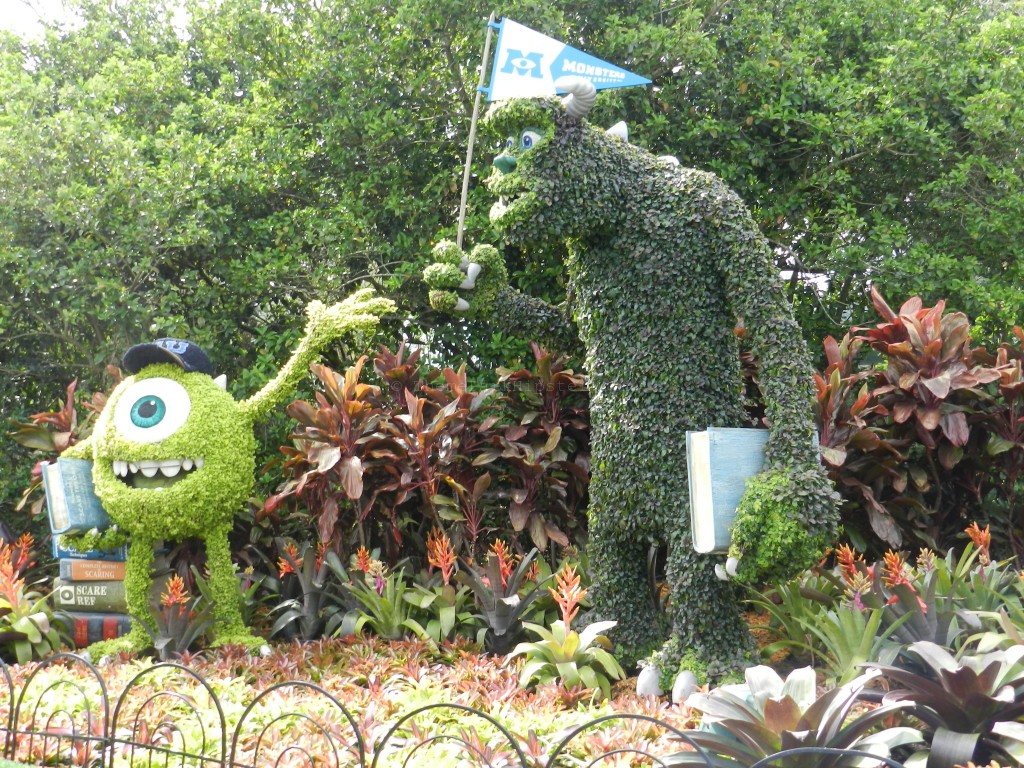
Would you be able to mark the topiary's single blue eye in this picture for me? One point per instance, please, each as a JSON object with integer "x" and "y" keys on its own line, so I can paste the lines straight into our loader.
{"x": 148, "y": 412}
{"x": 528, "y": 139}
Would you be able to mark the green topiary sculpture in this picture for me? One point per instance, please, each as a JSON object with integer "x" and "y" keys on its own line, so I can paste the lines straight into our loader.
{"x": 662, "y": 262}
{"x": 174, "y": 454}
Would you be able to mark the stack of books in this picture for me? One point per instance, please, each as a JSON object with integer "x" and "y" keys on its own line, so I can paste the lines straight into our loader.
{"x": 90, "y": 587}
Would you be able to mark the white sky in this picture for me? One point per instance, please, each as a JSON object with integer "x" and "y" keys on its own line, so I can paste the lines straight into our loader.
{"x": 22, "y": 16}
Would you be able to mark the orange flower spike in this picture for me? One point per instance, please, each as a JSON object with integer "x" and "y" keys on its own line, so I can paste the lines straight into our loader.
{"x": 284, "y": 564}
{"x": 363, "y": 560}
{"x": 568, "y": 593}
{"x": 440, "y": 554}
{"x": 11, "y": 585}
{"x": 895, "y": 572}
{"x": 24, "y": 546}
{"x": 321, "y": 553}
{"x": 848, "y": 559}
{"x": 533, "y": 572}
{"x": 982, "y": 539}
{"x": 894, "y": 569}
{"x": 506, "y": 561}
{"x": 176, "y": 593}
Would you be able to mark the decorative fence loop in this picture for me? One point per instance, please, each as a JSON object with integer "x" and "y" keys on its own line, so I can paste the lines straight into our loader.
{"x": 484, "y": 754}
{"x": 276, "y": 727}
{"x": 76, "y": 731}
{"x": 169, "y": 738}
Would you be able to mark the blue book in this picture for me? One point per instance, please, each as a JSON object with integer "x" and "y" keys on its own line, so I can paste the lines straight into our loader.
{"x": 719, "y": 461}
{"x": 67, "y": 553}
{"x": 71, "y": 500}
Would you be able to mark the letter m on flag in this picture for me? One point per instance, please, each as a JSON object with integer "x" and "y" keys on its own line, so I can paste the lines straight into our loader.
{"x": 523, "y": 64}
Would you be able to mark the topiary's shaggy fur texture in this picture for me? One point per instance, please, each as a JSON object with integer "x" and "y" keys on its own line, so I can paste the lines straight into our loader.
{"x": 662, "y": 262}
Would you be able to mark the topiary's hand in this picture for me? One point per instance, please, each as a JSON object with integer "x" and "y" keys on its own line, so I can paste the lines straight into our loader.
{"x": 785, "y": 521}
{"x": 481, "y": 271}
{"x": 360, "y": 310}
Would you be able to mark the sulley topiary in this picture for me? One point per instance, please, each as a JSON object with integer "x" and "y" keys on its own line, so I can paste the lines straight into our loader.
{"x": 662, "y": 263}
{"x": 174, "y": 455}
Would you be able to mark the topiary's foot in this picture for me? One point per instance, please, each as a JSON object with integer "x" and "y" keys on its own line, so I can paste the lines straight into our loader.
{"x": 134, "y": 642}
{"x": 240, "y": 637}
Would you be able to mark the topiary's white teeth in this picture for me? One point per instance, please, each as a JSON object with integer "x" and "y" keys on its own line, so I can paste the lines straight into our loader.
{"x": 199, "y": 462}
{"x": 150, "y": 467}
{"x": 170, "y": 468}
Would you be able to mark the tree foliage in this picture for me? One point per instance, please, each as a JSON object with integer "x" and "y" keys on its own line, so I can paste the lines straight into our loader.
{"x": 206, "y": 173}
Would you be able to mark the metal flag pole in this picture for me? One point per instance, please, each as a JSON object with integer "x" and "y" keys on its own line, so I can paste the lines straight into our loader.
{"x": 472, "y": 130}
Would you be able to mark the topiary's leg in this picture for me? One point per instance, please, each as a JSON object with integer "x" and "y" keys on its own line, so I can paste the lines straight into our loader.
{"x": 620, "y": 591}
{"x": 138, "y": 580}
{"x": 226, "y": 592}
{"x": 706, "y": 618}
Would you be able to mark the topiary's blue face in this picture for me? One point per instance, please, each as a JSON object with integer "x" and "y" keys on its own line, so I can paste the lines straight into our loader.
{"x": 174, "y": 453}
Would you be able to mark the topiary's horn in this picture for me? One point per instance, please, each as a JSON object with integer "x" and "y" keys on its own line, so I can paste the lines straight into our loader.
{"x": 581, "y": 94}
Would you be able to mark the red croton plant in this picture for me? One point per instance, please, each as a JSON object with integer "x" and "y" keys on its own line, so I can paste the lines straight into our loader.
{"x": 925, "y": 432}
{"x": 388, "y": 464}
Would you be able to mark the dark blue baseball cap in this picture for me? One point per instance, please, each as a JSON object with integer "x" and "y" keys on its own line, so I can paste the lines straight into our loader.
{"x": 188, "y": 356}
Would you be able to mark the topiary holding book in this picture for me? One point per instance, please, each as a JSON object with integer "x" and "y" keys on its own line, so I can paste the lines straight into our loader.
{"x": 662, "y": 262}
{"x": 174, "y": 455}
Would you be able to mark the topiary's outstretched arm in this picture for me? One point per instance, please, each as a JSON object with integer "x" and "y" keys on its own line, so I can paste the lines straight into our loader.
{"x": 525, "y": 316}
{"x": 475, "y": 285}
{"x": 789, "y": 512}
{"x": 361, "y": 310}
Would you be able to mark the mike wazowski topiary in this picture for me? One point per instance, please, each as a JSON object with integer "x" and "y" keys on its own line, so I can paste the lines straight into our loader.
{"x": 174, "y": 457}
{"x": 662, "y": 262}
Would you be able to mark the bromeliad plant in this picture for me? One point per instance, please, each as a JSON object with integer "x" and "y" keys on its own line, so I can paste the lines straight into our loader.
{"x": 182, "y": 620}
{"x": 563, "y": 656}
{"x": 971, "y": 705}
{"x": 743, "y": 724}
{"x": 856, "y": 613}
{"x": 383, "y": 605}
{"x": 26, "y": 620}
{"x": 503, "y": 597}
{"x": 308, "y": 584}
{"x": 447, "y": 611}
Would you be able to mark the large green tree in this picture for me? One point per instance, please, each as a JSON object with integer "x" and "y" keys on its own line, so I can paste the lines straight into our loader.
{"x": 205, "y": 173}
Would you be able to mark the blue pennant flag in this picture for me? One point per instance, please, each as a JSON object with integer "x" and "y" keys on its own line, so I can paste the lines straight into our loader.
{"x": 527, "y": 63}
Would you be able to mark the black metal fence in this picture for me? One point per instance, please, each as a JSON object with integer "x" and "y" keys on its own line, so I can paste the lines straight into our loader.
{"x": 167, "y": 715}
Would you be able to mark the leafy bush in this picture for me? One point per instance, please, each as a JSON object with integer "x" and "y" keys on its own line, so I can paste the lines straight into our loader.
{"x": 382, "y": 466}
{"x": 922, "y": 441}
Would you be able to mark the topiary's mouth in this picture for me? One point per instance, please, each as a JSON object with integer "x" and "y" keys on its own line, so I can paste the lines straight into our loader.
{"x": 155, "y": 474}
